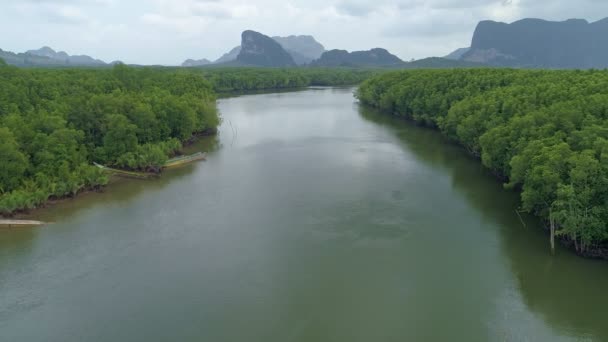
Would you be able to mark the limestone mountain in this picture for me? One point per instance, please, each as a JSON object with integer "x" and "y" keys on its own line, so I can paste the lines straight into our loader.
{"x": 44, "y": 58}
{"x": 457, "y": 54}
{"x": 373, "y": 58}
{"x": 195, "y": 63}
{"x": 260, "y": 50}
{"x": 229, "y": 56}
{"x": 26, "y": 60}
{"x": 537, "y": 43}
{"x": 62, "y": 57}
{"x": 303, "y": 49}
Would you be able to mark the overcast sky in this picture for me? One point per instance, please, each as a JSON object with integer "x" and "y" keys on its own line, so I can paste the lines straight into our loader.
{"x": 170, "y": 31}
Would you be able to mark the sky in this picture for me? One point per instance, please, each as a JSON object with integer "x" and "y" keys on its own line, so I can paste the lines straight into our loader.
{"x": 169, "y": 31}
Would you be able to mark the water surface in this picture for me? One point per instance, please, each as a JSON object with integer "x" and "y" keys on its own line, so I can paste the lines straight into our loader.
{"x": 312, "y": 220}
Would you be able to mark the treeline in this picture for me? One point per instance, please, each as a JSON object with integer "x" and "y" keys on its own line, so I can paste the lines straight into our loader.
{"x": 227, "y": 80}
{"x": 544, "y": 132}
{"x": 55, "y": 123}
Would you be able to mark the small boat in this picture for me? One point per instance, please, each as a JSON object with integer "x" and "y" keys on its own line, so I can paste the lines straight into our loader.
{"x": 123, "y": 173}
{"x": 173, "y": 162}
{"x": 182, "y": 160}
{"x": 20, "y": 223}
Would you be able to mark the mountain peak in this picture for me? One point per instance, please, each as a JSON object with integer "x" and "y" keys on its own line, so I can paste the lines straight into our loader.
{"x": 46, "y": 49}
{"x": 538, "y": 43}
{"x": 62, "y": 57}
{"x": 374, "y": 57}
{"x": 195, "y": 63}
{"x": 261, "y": 50}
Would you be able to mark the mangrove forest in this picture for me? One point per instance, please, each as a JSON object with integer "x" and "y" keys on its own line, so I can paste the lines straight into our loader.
{"x": 55, "y": 123}
{"x": 544, "y": 132}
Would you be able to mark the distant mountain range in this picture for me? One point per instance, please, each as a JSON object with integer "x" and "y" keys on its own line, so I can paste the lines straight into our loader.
{"x": 302, "y": 49}
{"x": 536, "y": 43}
{"x": 257, "y": 49}
{"x": 260, "y": 50}
{"x": 374, "y": 57}
{"x": 229, "y": 56}
{"x": 195, "y": 63}
{"x": 457, "y": 54}
{"x": 527, "y": 43}
{"x": 47, "y": 57}
{"x": 63, "y": 57}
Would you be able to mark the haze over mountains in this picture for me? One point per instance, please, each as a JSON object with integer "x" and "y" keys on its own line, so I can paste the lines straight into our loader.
{"x": 527, "y": 43}
{"x": 46, "y": 56}
{"x": 303, "y": 50}
{"x": 63, "y": 57}
{"x": 260, "y": 50}
{"x": 536, "y": 43}
{"x": 195, "y": 63}
{"x": 373, "y": 57}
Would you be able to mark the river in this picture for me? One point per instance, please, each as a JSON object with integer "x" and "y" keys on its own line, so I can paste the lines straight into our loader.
{"x": 313, "y": 219}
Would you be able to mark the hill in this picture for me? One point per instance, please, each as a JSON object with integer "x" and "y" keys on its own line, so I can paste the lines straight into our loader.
{"x": 260, "y": 50}
{"x": 372, "y": 58}
{"x": 47, "y": 57}
{"x": 62, "y": 57}
{"x": 303, "y": 49}
{"x": 457, "y": 54}
{"x": 229, "y": 56}
{"x": 537, "y": 43}
{"x": 195, "y": 63}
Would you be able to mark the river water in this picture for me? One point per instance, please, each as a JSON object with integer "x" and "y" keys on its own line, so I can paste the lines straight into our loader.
{"x": 313, "y": 219}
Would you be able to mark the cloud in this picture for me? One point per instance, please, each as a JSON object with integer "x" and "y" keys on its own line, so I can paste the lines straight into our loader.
{"x": 64, "y": 2}
{"x": 168, "y": 31}
{"x": 68, "y": 14}
{"x": 54, "y": 12}
{"x": 356, "y": 8}
{"x": 215, "y": 9}
{"x": 193, "y": 17}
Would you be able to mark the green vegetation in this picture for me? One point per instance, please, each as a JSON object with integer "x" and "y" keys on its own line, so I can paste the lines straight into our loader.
{"x": 227, "y": 80}
{"x": 544, "y": 132}
{"x": 54, "y": 123}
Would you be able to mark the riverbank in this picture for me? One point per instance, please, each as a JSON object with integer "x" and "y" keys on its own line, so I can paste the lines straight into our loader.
{"x": 538, "y": 128}
{"x": 10, "y": 224}
{"x": 26, "y": 214}
{"x": 330, "y": 218}
{"x": 598, "y": 252}
{"x": 159, "y": 108}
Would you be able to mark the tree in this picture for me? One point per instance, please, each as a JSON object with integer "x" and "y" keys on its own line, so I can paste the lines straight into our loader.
{"x": 13, "y": 163}
{"x": 120, "y": 137}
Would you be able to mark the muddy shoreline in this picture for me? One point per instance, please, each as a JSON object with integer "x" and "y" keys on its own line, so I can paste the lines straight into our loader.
{"x": 597, "y": 251}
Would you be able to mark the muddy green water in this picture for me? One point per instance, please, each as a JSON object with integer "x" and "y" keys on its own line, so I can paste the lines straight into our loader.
{"x": 312, "y": 220}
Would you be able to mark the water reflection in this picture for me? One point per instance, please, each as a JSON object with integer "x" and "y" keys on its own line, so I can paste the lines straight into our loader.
{"x": 566, "y": 290}
{"x": 18, "y": 243}
{"x": 319, "y": 222}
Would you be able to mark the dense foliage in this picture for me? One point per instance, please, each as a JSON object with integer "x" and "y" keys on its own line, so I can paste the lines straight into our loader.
{"x": 545, "y": 132}
{"x": 55, "y": 123}
{"x": 227, "y": 80}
